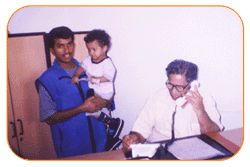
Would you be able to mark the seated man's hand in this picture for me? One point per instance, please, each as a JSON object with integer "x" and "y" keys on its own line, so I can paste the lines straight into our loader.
{"x": 196, "y": 100}
{"x": 127, "y": 140}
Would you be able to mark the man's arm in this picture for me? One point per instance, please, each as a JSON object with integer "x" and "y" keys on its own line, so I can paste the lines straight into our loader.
{"x": 206, "y": 124}
{"x": 92, "y": 104}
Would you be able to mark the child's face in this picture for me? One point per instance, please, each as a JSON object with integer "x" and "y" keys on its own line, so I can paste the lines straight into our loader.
{"x": 97, "y": 52}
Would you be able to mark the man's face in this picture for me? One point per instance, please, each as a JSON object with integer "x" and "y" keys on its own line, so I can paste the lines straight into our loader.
{"x": 63, "y": 50}
{"x": 177, "y": 79}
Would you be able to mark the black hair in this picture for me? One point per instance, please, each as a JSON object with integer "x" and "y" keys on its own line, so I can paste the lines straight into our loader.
{"x": 183, "y": 67}
{"x": 101, "y": 36}
{"x": 59, "y": 32}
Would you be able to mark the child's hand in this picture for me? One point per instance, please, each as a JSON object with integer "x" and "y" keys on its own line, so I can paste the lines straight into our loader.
{"x": 95, "y": 81}
{"x": 75, "y": 79}
{"x": 89, "y": 75}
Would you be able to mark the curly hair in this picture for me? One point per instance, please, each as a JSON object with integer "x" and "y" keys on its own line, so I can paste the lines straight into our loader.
{"x": 190, "y": 70}
{"x": 101, "y": 36}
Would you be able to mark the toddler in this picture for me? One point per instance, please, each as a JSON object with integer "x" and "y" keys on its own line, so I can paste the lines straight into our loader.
{"x": 101, "y": 70}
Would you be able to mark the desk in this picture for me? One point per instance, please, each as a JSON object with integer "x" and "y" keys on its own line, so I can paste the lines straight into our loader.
{"x": 231, "y": 140}
{"x": 110, "y": 155}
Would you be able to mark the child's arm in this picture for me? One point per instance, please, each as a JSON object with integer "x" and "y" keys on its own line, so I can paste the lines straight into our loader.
{"x": 77, "y": 73}
{"x": 109, "y": 73}
{"x": 102, "y": 79}
{"x": 97, "y": 80}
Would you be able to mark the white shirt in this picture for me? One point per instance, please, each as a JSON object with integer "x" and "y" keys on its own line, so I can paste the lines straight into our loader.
{"x": 155, "y": 119}
{"x": 104, "y": 68}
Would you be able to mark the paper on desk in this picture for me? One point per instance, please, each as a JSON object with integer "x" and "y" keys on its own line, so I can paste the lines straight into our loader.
{"x": 144, "y": 150}
{"x": 193, "y": 148}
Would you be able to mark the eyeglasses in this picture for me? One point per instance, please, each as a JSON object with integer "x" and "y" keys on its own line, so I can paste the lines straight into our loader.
{"x": 179, "y": 88}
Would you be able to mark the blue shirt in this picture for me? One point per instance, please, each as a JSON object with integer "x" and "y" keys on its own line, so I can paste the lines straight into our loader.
{"x": 47, "y": 105}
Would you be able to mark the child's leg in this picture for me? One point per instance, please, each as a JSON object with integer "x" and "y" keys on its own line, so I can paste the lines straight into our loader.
{"x": 114, "y": 125}
{"x": 104, "y": 116}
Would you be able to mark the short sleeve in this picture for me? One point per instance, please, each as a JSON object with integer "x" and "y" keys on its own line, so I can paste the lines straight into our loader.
{"x": 211, "y": 109}
{"x": 109, "y": 70}
{"x": 82, "y": 64}
{"x": 146, "y": 119}
{"x": 46, "y": 105}
{"x": 86, "y": 63}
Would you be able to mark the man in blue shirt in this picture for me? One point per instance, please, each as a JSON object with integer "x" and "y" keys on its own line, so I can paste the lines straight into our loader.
{"x": 63, "y": 104}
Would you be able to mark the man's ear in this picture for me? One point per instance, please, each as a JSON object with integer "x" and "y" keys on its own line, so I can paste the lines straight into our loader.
{"x": 52, "y": 51}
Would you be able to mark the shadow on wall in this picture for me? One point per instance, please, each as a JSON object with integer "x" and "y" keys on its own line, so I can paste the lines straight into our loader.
{"x": 232, "y": 119}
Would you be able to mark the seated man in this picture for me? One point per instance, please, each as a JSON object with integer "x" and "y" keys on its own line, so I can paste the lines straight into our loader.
{"x": 161, "y": 113}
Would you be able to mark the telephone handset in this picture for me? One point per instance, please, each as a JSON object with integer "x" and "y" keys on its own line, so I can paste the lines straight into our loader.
{"x": 182, "y": 100}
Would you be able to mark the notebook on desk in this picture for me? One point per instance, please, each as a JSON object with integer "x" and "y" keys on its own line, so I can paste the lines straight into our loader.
{"x": 199, "y": 147}
{"x": 193, "y": 149}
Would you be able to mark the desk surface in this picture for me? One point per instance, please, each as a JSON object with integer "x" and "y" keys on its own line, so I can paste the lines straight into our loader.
{"x": 110, "y": 155}
{"x": 231, "y": 140}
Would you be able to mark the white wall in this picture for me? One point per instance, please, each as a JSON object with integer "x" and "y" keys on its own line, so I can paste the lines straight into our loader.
{"x": 145, "y": 40}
